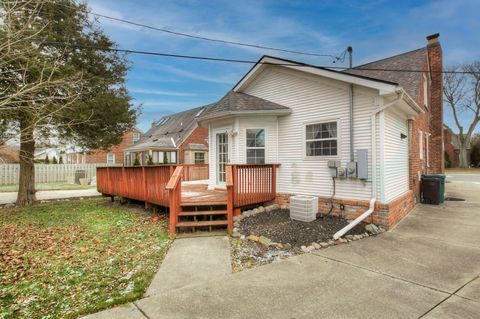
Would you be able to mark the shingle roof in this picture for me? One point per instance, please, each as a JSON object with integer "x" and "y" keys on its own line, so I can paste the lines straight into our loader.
{"x": 237, "y": 102}
{"x": 169, "y": 131}
{"x": 410, "y": 81}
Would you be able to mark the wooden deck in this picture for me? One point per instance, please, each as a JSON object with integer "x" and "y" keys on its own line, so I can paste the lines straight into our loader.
{"x": 197, "y": 194}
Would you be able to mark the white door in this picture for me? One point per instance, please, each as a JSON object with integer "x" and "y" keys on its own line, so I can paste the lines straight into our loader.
{"x": 222, "y": 156}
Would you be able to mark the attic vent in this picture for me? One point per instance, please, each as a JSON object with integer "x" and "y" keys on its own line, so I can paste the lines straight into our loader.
{"x": 200, "y": 112}
{"x": 163, "y": 121}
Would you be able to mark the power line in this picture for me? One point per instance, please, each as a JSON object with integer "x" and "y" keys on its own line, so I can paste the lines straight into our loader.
{"x": 198, "y": 37}
{"x": 214, "y": 59}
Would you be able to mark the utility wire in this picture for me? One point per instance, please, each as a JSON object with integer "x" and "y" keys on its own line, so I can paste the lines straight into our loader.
{"x": 205, "y": 58}
{"x": 198, "y": 37}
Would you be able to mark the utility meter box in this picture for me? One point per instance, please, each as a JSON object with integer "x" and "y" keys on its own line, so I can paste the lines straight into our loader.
{"x": 333, "y": 166}
{"x": 352, "y": 169}
{"x": 341, "y": 172}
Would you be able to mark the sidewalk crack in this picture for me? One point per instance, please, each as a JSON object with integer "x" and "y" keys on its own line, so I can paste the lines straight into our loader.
{"x": 141, "y": 310}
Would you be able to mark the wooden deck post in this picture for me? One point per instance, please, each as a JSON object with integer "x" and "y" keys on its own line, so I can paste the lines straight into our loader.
{"x": 174, "y": 188}
{"x": 230, "y": 185}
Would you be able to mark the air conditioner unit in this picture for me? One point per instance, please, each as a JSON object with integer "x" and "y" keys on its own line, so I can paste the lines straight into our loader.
{"x": 303, "y": 208}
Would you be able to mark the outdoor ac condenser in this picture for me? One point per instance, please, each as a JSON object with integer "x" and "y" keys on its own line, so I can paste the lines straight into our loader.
{"x": 303, "y": 208}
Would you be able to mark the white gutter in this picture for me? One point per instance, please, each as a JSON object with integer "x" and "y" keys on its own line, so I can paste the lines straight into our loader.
{"x": 371, "y": 208}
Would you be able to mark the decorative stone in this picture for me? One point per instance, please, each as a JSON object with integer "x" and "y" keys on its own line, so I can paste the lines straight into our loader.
{"x": 287, "y": 246}
{"x": 372, "y": 229}
{"x": 324, "y": 244}
{"x": 237, "y": 218}
{"x": 253, "y": 238}
{"x": 311, "y": 248}
{"x": 264, "y": 240}
{"x": 283, "y": 207}
{"x": 247, "y": 213}
{"x": 349, "y": 237}
{"x": 242, "y": 237}
{"x": 236, "y": 234}
{"x": 261, "y": 209}
{"x": 255, "y": 211}
{"x": 304, "y": 249}
{"x": 357, "y": 237}
{"x": 331, "y": 242}
{"x": 236, "y": 224}
{"x": 316, "y": 245}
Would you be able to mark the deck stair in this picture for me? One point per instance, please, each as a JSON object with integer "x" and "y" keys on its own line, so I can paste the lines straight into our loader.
{"x": 198, "y": 220}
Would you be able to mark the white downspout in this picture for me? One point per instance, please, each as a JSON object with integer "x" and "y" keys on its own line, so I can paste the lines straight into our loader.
{"x": 371, "y": 208}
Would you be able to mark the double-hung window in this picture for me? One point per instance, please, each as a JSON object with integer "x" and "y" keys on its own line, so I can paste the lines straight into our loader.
{"x": 199, "y": 158}
{"x": 255, "y": 146}
{"x": 321, "y": 139}
{"x": 110, "y": 158}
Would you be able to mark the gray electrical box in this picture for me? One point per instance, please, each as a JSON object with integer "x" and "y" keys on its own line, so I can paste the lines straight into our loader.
{"x": 352, "y": 169}
{"x": 362, "y": 164}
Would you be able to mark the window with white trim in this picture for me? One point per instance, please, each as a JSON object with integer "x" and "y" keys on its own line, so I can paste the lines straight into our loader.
{"x": 135, "y": 137}
{"x": 420, "y": 143}
{"x": 256, "y": 146}
{"x": 321, "y": 139}
{"x": 110, "y": 158}
{"x": 425, "y": 90}
{"x": 199, "y": 157}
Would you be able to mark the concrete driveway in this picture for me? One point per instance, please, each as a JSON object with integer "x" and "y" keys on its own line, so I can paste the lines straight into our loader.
{"x": 427, "y": 267}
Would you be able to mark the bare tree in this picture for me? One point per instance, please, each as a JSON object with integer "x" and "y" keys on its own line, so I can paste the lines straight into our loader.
{"x": 462, "y": 93}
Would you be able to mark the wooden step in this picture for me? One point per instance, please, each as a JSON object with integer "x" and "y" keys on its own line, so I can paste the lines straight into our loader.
{"x": 202, "y": 223}
{"x": 203, "y": 213}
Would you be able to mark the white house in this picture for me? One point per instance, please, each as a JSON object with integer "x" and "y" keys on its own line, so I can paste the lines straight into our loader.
{"x": 310, "y": 119}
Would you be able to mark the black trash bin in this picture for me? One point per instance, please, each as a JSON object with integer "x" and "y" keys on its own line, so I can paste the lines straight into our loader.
{"x": 431, "y": 190}
{"x": 79, "y": 173}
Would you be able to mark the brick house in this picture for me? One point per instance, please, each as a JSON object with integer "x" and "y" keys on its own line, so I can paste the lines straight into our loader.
{"x": 113, "y": 156}
{"x": 175, "y": 138}
{"x": 452, "y": 147}
{"x": 357, "y": 139}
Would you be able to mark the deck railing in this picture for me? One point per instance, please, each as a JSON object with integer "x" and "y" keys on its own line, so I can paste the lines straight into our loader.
{"x": 195, "y": 172}
{"x": 253, "y": 183}
{"x": 174, "y": 188}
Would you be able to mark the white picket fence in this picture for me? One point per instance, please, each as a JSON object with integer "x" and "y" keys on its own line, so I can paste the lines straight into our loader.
{"x": 46, "y": 173}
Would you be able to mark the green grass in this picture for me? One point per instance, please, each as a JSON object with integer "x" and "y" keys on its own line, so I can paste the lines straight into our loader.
{"x": 66, "y": 259}
{"x": 45, "y": 187}
{"x": 462, "y": 171}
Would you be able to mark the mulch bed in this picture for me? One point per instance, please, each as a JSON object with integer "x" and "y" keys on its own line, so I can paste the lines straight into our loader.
{"x": 278, "y": 226}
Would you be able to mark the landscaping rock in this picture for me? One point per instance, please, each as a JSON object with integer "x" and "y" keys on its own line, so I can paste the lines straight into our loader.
{"x": 264, "y": 240}
{"x": 9, "y": 205}
{"x": 372, "y": 229}
{"x": 247, "y": 213}
{"x": 236, "y": 224}
{"x": 253, "y": 238}
{"x": 261, "y": 209}
{"x": 237, "y": 218}
{"x": 324, "y": 244}
{"x": 350, "y": 237}
{"x": 310, "y": 248}
{"x": 287, "y": 246}
{"x": 236, "y": 234}
{"x": 305, "y": 249}
{"x": 316, "y": 245}
{"x": 255, "y": 211}
{"x": 283, "y": 207}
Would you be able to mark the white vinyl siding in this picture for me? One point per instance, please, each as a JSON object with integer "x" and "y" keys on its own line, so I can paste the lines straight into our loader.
{"x": 395, "y": 155}
{"x": 315, "y": 99}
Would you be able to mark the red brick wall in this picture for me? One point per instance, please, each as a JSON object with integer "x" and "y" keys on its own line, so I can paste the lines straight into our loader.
{"x": 431, "y": 122}
{"x": 387, "y": 215}
{"x": 198, "y": 136}
{"x": 99, "y": 156}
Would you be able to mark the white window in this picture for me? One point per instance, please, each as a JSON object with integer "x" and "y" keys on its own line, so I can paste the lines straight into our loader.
{"x": 136, "y": 137}
{"x": 425, "y": 90}
{"x": 110, "y": 158}
{"x": 199, "y": 157}
{"x": 255, "y": 146}
{"x": 172, "y": 157}
{"x": 427, "y": 135}
{"x": 321, "y": 139}
{"x": 420, "y": 143}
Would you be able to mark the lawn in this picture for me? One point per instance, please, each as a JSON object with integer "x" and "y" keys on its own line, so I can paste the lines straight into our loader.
{"x": 45, "y": 187}
{"x": 65, "y": 259}
{"x": 462, "y": 171}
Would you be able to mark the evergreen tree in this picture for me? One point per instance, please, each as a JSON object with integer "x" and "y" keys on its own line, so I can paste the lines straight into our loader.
{"x": 55, "y": 83}
{"x": 54, "y": 161}
{"x": 136, "y": 162}
{"x": 165, "y": 158}
{"x": 150, "y": 160}
{"x": 60, "y": 161}
{"x": 47, "y": 160}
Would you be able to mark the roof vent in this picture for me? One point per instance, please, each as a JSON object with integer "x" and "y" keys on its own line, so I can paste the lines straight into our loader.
{"x": 200, "y": 112}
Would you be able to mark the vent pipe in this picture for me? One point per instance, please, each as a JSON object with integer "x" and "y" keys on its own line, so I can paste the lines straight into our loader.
{"x": 350, "y": 97}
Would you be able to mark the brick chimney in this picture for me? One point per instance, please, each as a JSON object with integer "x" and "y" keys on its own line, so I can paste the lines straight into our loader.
{"x": 436, "y": 150}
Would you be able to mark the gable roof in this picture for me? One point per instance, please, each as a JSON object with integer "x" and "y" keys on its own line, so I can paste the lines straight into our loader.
{"x": 238, "y": 102}
{"x": 169, "y": 131}
{"x": 411, "y": 60}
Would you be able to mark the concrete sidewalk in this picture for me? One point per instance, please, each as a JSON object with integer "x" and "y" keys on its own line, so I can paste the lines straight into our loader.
{"x": 11, "y": 197}
{"x": 428, "y": 267}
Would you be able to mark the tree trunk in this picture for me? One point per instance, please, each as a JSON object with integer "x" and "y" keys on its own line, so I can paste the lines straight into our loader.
{"x": 463, "y": 156}
{"x": 26, "y": 186}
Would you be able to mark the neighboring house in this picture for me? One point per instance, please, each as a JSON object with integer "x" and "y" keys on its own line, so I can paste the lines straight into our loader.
{"x": 452, "y": 147}
{"x": 113, "y": 156}
{"x": 175, "y": 138}
{"x": 52, "y": 152}
{"x": 302, "y": 117}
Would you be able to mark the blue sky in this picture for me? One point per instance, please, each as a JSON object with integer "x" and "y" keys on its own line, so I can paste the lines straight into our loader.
{"x": 374, "y": 28}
